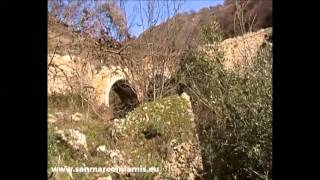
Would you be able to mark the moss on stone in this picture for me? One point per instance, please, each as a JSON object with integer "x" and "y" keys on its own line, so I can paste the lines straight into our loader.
{"x": 169, "y": 117}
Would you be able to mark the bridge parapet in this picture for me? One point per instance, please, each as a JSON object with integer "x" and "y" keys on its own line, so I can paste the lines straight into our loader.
{"x": 241, "y": 49}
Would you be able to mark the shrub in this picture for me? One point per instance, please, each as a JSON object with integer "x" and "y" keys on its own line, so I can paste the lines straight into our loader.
{"x": 209, "y": 32}
{"x": 234, "y": 114}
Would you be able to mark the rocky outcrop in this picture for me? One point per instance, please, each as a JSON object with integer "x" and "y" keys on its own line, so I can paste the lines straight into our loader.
{"x": 76, "y": 116}
{"x": 68, "y": 74}
{"x": 75, "y": 139}
{"x": 185, "y": 160}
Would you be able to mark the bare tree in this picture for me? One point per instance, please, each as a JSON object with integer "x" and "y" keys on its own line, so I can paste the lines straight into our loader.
{"x": 97, "y": 18}
{"x": 159, "y": 59}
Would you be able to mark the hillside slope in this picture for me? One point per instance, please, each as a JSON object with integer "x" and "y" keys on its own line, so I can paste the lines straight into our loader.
{"x": 183, "y": 31}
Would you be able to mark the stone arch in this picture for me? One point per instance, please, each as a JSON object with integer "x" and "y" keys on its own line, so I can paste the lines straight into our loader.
{"x": 110, "y": 82}
{"x": 119, "y": 85}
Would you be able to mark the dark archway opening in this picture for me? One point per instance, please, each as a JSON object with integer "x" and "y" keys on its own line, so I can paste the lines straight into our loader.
{"x": 123, "y": 99}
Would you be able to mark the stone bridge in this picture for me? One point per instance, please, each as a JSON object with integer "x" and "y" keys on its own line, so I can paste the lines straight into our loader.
{"x": 71, "y": 74}
{"x": 68, "y": 73}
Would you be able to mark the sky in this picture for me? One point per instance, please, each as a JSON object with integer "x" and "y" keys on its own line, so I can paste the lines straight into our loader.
{"x": 134, "y": 19}
{"x": 132, "y": 8}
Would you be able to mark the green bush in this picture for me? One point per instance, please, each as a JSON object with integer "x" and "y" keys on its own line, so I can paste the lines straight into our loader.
{"x": 168, "y": 116}
{"x": 170, "y": 119}
{"x": 211, "y": 32}
{"x": 234, "y": 114}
